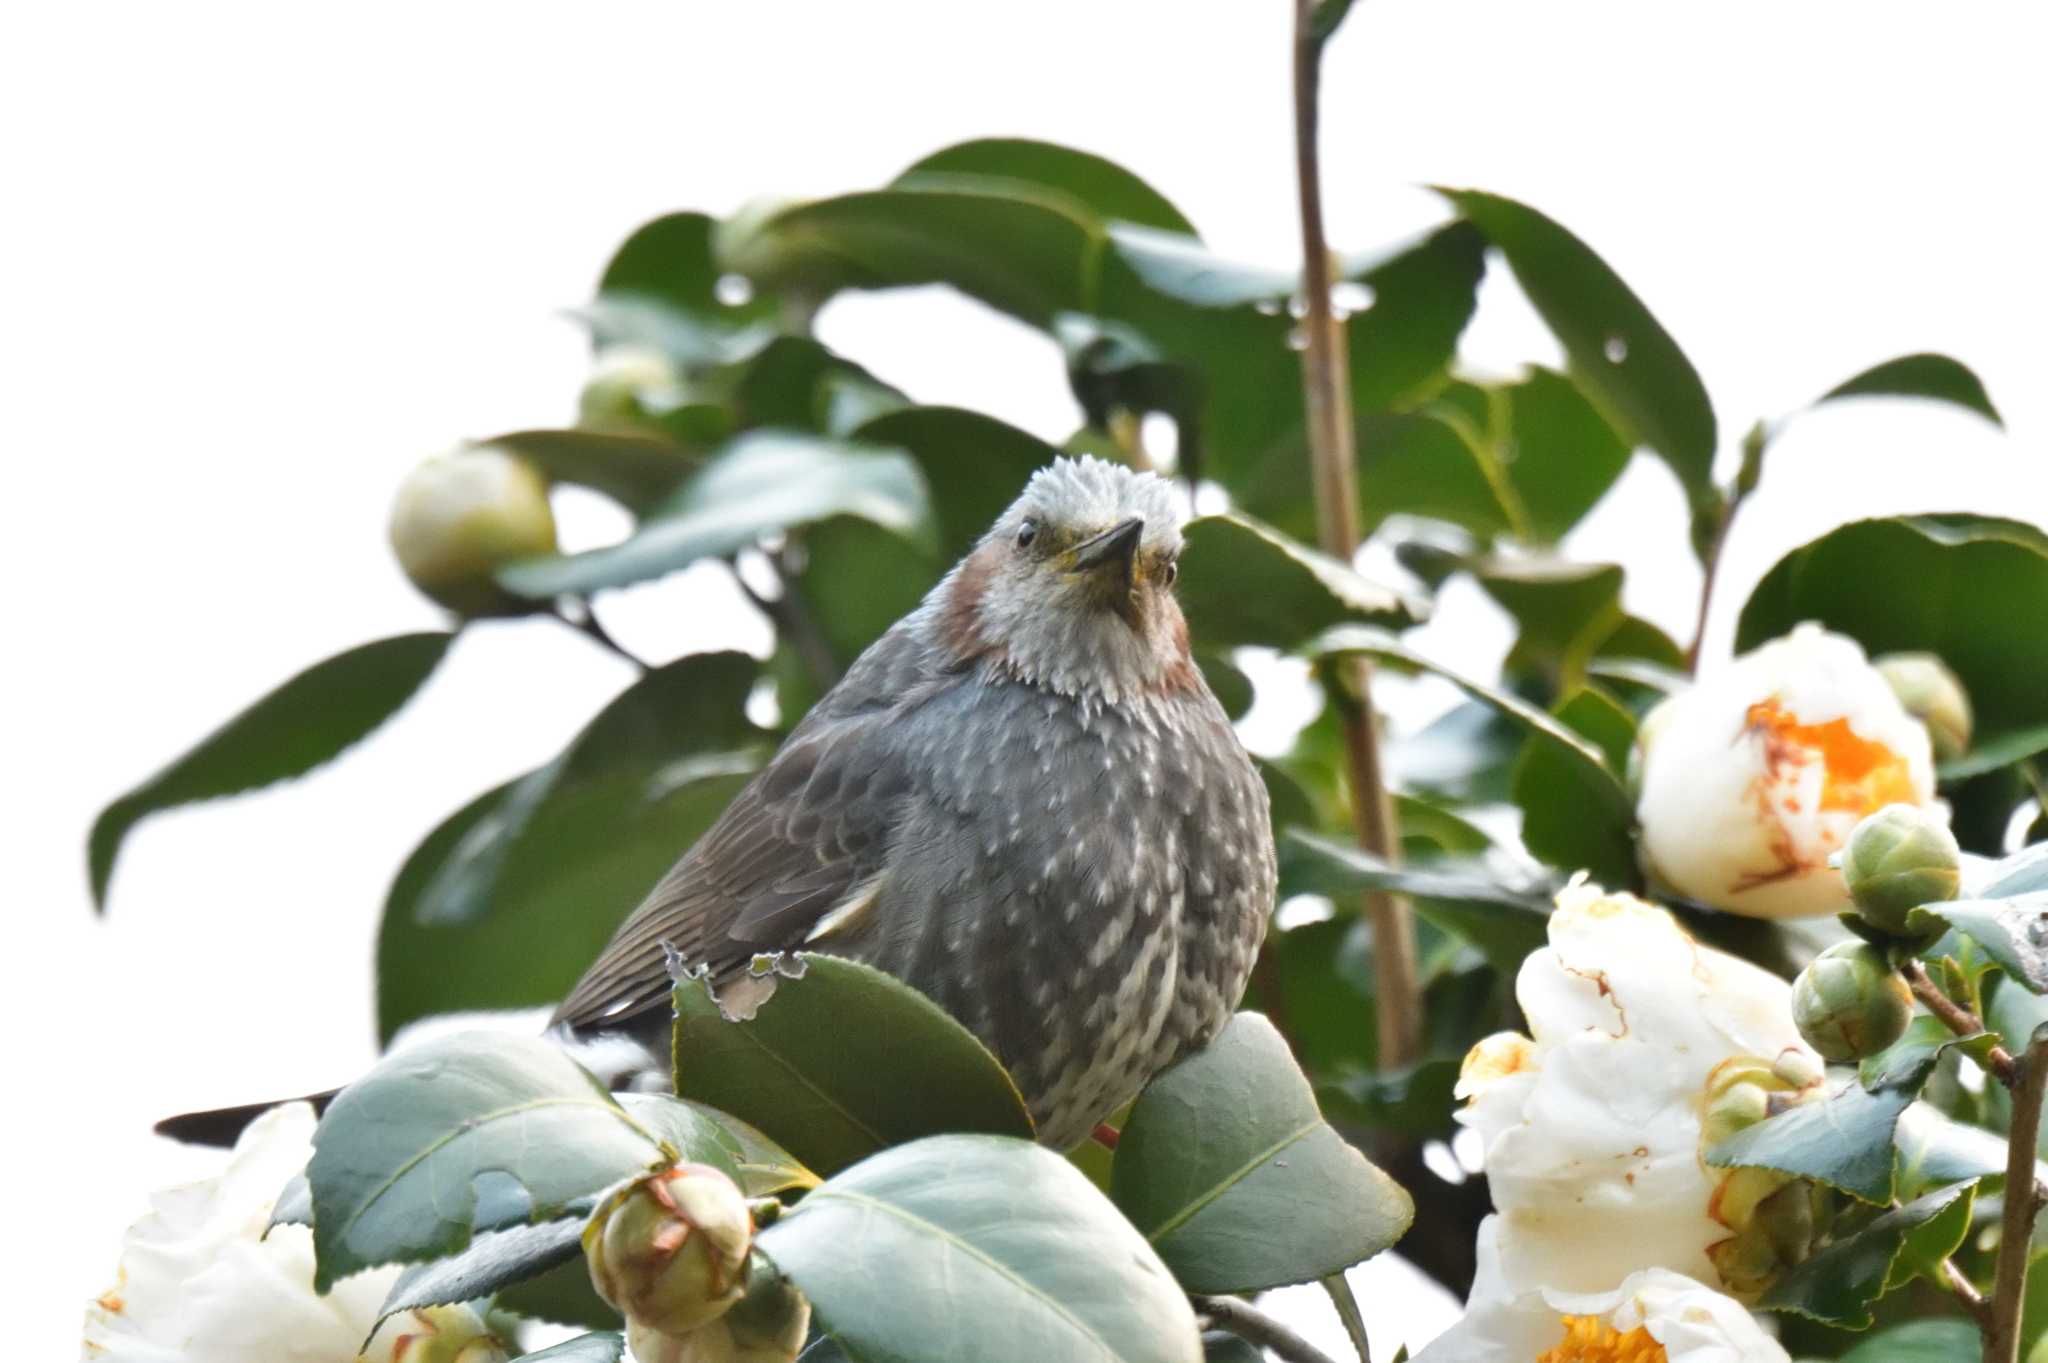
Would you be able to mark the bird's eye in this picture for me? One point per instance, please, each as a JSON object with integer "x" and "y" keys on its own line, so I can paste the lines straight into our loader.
{"x": 1026, "y": 533}
{"x": 1172, "y": 573}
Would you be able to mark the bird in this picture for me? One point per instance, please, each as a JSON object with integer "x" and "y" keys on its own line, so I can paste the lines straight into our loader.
{"x": 1022, "y": 800}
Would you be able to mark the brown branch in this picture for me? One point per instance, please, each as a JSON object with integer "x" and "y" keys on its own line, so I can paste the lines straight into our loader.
{"x": 1326, "y": 390}
{"x": 1958, "y": 1019}
{"x": 1255, "y": 1327}
{"x": 1966, "y": 1292}
{"x": 2022, "y": 1202}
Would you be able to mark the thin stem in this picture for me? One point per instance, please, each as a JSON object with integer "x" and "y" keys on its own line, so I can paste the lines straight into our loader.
{"x": 1711, "y": 570}
{"x": 586, "y": 623}
{"x": 1339, "y": 1288}
{"x": 793, "y": 621}
{"x": 1333, "y": 459}
{"x": 1255, "y": 1327}
{"x": 1966, "y": 1292}
{"x": 2022, "y": 1202}
{"x": 1958, "y": 1019}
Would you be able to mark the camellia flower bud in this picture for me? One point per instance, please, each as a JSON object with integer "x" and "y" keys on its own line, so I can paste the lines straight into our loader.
{"x": 460, "y": 516}
{"x": 767, "y": 1325}
{"x": 670, "y": 1250}
{"x": 1753, "y": 777}
{"x": 1897, "y": 860}
{"x": 1933, "y": 695}
{"x": 443, "y": 1334}
{"x": 1849, "y": 1003}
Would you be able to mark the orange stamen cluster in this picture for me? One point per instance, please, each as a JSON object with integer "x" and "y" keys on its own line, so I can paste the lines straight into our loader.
{"x": 1860, "y": 776}
{"x": 1588, "y": 1339}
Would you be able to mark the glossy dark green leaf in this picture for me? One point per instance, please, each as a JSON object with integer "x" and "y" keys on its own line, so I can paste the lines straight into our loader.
{"x": 463, "y": 1134}
{"x": 565, "y": 1295}
{"x": 1919, "y": 1341}
{"x": 604, "y": 1346}
{"x": 1422, "y": 466}
{"x": 2013, "y": 931}
{"x": 571, "y": 878}
{"x": 294, "y": 1206}
{"x": 979, "y": 1249}
{"x": 841, "y": 1063}
{"x": 973, "y": 465}
{"x": 661, "y": 289}
{"x": 1842, "y": 1139}
{"x": 1936, "y": 1150}
{"x": 493, "y": 1261}
{"x": 1841, "y": 1282}
{"x": 1459, "y": 895}
{"x": 1227, "y": 1144}
{"x": 1617, "y": 351}
{"x": 1565, "y": 822}
{"x": 1245, "y": 583}
{"x": 1920, "y": 376}
{"x": 1952, "y": 585}
{"x": 1610, "y": 800}
{"x": 2016, "y": 746}
{"x": 308, "y": 721}
{"x": 1417, "y": 1101}
{"x": 1423, "y": 294}
{"x": 1562, "y": 610}
{"x": 765, "y": 1168}
{"x": 1104, "y": 188}
{"x": 797, "y": 383}
{"x": 764, "y": 483}
{"x": 687, "y": 709}
{"x": 1561, "y": 454}
{"x": 637, "y": 471}
{"x": 1218, "y": 1346}
{"x": 854, "y": 580}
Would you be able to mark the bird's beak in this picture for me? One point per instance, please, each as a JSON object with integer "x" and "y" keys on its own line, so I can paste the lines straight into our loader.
{"x": 1115, "y": 547}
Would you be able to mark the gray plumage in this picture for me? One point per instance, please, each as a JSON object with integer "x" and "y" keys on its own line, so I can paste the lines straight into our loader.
{"x": 1022, "y": 800}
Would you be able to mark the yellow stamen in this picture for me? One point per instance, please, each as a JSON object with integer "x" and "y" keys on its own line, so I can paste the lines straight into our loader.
{"x": 1588, "y": 1339}
{"x": 1859, "y": 775}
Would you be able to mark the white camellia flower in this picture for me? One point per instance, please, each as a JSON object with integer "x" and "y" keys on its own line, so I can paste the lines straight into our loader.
{"x": 1654, "y": 1316}
{"x": 1751, "y": 778}
{"x": 199, "y": 1282}
{"x": 1644, "y": 1047}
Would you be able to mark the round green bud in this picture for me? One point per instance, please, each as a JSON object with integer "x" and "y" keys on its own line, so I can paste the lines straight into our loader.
{"x": 1849, "y": 1003}
{"x": 1933, "y": 695}
{"x": 1898, "y": 859}
{"x": 629, "y": 387}
{"x": 461, "y": 516}
{"x": 670, "y": 1250}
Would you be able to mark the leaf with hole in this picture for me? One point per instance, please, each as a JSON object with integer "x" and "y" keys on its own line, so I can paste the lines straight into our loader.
{"x": 841, "y": 1063}
{"x": 303, "y": 724}
{"x": 1226, "y": 1145}
{"x": 979, "y": 1249}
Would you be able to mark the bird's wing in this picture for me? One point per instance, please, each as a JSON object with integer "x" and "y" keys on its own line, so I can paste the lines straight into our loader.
{"x": 804, "y": 836}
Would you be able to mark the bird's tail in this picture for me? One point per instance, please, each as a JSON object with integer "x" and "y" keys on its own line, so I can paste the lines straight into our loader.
{"x": 223, "y": 1125}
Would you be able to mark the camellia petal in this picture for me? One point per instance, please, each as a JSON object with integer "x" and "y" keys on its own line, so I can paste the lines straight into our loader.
{"x": 1753, "y": 777}
{"x": 200, "y": 1282}
{"x": 1653, "y": 1316}
{"x": 1592, "y": 1126}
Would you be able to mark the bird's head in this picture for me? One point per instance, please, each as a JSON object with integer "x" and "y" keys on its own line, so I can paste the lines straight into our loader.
{"x": 1072, "y": 588}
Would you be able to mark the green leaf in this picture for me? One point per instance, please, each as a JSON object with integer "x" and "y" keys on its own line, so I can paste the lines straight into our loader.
{"x": 798, "y": 383}
{"x": 1617, "y": 352}
{"x": 687, "y": 709}
{"x": 2024, "y": 872}
{"x": 2013, "y": 932}
{"x": 463, "y": 1134}
{"x": 636, "y": 471}
{"x": 1561, "y": 610}
{"x": 1919, "y": 1341}
{"x": 1417, "y": 1102}
{"x": 1842, "y": 1139}
{"x": 979, "y": 1249}
{"x": 1102, "y": 187}
{"x": 493, "y": 1261}
{"x": 1419, "y": 465}
{"x": 1952, "y": 585}
{"x": 841, "y": 1063}
{"x": 1839, "y": 1284}
{"x": 1561, "y": 454}
{"x": 1220, "y": 1346}
{"x": 308, "y": 721}
{"x": 2004, "y": 751}
{"x": 1459, "y": 895}
{"x": 1915, "y": 1052}
{"x": 661, "y": 289}
{"x": 1245, "y": 583}
{"x": 1609, "y": 799}
{"x": 565, "y": 1295}
{"x": 1920, "y": 376}
{"x": 974, "y": 466}
{"x": 1565, "y": 823}
{"x": 1226, "y": 1145}
{"x": 604, "y": 1346}
{"x": 764, "y": 483}
{"x": 765, "y": 1168}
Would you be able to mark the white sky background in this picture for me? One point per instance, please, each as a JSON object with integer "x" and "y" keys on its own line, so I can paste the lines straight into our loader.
{"x": 259, "y": 259}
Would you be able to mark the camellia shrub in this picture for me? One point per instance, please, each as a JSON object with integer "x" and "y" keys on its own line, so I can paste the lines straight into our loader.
{"x": 1662, "y": 1010}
